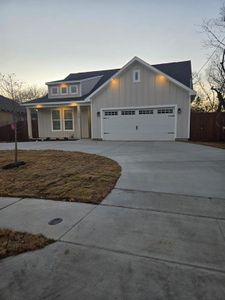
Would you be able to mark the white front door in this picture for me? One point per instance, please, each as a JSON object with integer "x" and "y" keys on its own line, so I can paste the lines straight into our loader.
{"x": 146, "y": 124}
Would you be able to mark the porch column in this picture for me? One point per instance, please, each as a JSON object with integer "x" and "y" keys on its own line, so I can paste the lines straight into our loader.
{"x": 29, "y": 123}
{"x": 78, "y": 122}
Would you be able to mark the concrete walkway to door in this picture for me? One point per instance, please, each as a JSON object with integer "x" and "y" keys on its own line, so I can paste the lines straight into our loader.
{"x": 160, "y": 234}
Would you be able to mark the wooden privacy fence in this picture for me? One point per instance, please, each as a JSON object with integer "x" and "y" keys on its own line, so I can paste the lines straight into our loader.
{"x": 207, "y": 127}
{"x": 7, "y": 133}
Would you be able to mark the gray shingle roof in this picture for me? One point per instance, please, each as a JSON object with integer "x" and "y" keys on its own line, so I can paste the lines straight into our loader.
{"x": 8, "y": 105}
{"x": 106, "y": 74}
{"x": 181, "y": 71}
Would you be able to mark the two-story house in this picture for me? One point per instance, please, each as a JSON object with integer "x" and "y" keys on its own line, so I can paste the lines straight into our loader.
{"x": 137, "y": 102}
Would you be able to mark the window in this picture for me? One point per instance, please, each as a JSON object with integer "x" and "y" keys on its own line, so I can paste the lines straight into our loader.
{"x": 54, "y": 90}
{"x": 63, "y": 90}
{"x": 56, "y": 119}
{"x": 73, "y": 89}
{"x": 146, "y": 112}
{"x": 111, "y": 113}
{"x": 136, "y": 76}
{"x": 68, "y": 119}
{"x": 165, "y": 111}
{"x": 127, "y": 112}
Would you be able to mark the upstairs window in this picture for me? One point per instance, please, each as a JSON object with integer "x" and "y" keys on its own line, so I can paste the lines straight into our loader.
{"x": 56, "y": 119}
{"x": 73, "y": 89}
{"x": 136, "y": 76}
{"x": 54, "y": 90}
{"x": 64, "y": 90}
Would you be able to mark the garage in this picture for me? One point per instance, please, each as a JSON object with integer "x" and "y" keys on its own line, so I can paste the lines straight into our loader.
{"x": 139, "y": 124}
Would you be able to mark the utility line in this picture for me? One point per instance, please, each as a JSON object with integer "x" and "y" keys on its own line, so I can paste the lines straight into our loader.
{"x": 209, "y": 58}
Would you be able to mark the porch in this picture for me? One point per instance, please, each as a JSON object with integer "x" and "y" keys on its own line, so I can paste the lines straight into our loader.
{"x": 59, "y": 122}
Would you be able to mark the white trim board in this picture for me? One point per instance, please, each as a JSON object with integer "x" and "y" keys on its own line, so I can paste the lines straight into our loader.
{"x": 53, "y": 104}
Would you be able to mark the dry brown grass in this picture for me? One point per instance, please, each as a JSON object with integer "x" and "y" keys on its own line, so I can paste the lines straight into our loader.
{"x": 59, "y": 175}
{"x": 220, "y": 145}
{"x": 14, "y": 242}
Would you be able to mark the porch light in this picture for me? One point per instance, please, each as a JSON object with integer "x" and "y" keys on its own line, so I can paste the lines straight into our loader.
{"x": 63, "y": 85}
{"x": 73, "y": 104}
{"x": 114, "y": 82}
{"x": 179, "y": 110}
{"x": 39, "y": 106}
{"x": 160, "y": 79}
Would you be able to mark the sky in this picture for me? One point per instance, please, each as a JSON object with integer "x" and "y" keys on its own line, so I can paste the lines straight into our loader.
{"x": 45, "y": 40}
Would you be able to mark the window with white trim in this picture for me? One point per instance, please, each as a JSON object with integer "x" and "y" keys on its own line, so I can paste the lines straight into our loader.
{"x": 111, "y": 113}
{"x": 146, "y": 112}
{"x": 56, "y": 119}
{"x": 165, "y": 111}
{"x": 136, "y": 76}
{"x": 127, "y": 112}
{"x": 68, "y": 119}
{"x": 73, "y": 89}
{"x": 54, "y": 90}
{"x": 64, "y": 90}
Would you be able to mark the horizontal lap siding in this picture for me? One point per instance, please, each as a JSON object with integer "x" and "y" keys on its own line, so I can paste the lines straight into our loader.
{"x": 150, "y": 91}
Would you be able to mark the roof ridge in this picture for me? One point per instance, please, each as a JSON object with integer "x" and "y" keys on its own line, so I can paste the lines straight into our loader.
{"x": 106, "y": 70}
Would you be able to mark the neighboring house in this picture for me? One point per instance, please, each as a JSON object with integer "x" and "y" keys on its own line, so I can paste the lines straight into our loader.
{"x": 9, "y": 107}
{"x": 137, "y": 102}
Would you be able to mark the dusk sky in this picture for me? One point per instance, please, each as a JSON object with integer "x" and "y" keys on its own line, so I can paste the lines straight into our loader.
{"x": 45, "y": 40}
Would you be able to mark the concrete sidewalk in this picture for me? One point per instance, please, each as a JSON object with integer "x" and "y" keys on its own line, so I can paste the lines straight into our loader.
{"x": 132, "y": 251}
{"x": 156, "y": 236}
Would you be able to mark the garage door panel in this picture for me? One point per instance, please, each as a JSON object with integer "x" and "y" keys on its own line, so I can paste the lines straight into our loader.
{"x": 139, "y": 124}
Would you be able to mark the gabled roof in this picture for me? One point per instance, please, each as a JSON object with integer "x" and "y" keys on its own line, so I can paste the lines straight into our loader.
{"x": 85, "y": 75}
{"x": 8, "y": 105}
{"x": 181, "y": 71}
{"x": 152, "y": 68}
{"x": 178, "y": 72}
{"x": 106, "y": 74}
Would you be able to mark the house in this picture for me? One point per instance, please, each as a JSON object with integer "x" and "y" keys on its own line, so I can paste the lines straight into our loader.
{"x": 137, "y": 102}
{"x": 8, "y": 108}
{"x": 9, "y": 112}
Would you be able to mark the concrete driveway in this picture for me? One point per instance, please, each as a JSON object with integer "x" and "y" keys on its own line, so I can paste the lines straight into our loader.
{"x": 160, "y": 234}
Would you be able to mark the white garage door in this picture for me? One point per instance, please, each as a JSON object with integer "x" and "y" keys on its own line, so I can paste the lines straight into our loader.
{"x": 154, "y": 123}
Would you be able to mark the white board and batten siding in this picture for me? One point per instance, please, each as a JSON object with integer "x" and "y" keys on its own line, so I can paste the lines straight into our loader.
{"x": 148, "y": 94}
{"x": 140, "y": 124}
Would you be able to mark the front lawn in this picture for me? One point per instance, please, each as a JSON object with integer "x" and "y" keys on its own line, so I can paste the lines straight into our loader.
{"x": 220, "y": 145}
{"x": 58, "y": 175}
{"x": 14, "y": 242}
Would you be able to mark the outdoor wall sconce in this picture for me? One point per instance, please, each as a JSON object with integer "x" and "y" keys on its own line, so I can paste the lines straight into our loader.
{"x": 179, "y": 110}
{"x": 98, "y": 113}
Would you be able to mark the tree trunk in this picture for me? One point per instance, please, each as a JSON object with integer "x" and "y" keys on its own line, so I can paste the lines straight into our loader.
{"x": 16, "y": 150}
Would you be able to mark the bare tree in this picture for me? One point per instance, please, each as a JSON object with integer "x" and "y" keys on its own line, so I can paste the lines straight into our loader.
{"x": 205, "y": 100}
{"x": 31, "y": 92}
{"x": 215, "y": 31}
{"x": 18, "y": 92}
{"x": 11, "y": 88}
